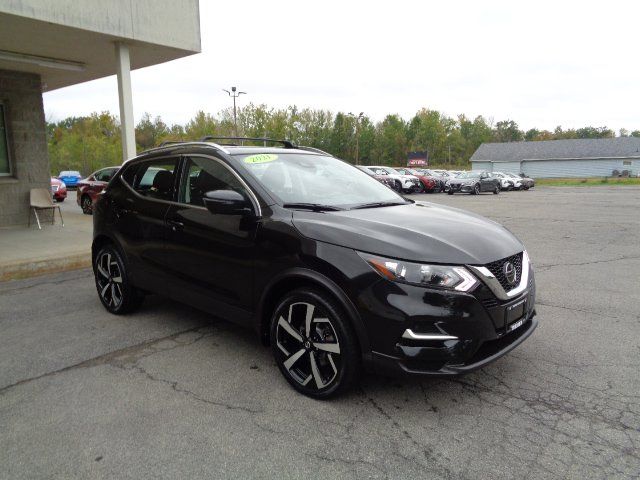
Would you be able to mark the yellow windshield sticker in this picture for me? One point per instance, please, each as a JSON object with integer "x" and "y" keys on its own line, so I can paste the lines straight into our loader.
{"x": 261, "y": 158}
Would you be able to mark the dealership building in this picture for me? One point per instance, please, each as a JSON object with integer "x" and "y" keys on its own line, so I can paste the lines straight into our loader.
{"x": 598, "y": 157}
{"x": 50, "y": 44}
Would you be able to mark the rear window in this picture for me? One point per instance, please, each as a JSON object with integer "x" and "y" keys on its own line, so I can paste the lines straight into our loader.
{"x": 154, "y": 179}
{"x": 69, "y": 173}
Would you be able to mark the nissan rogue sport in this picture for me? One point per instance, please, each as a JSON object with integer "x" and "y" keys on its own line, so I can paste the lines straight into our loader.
{"x": 333, "y": 270}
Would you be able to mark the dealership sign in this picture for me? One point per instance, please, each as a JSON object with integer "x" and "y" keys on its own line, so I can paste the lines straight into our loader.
{"x": 418, "y": 159}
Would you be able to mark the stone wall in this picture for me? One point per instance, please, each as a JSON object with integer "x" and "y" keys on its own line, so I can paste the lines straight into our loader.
{"x": 21, "y": 95}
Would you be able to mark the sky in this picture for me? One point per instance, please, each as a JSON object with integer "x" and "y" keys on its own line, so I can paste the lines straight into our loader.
{"x": 541, "y": 63}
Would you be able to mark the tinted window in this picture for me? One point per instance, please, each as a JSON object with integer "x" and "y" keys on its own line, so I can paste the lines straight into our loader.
{"x": 204, "y": 175}
{"x": 153, "y": 179}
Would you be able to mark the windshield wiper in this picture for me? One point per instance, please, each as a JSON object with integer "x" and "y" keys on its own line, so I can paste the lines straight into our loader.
{"x": 316, "y": 207}
{"x": 378, "y": 204}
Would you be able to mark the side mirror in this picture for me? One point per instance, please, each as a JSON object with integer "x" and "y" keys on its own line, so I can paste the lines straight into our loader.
{"x": 226, "y": 202}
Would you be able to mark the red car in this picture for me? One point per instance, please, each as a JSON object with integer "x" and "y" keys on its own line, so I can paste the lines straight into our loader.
{"x": 428, "y": 184}
{"x": 89, "y": 188}
{"x": 58, "y": 189}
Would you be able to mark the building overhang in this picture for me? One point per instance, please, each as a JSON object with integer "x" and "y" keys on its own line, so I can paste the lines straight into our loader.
{"x": 66, "y": 48}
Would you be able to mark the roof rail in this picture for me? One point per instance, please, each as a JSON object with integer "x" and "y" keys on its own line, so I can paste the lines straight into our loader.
{"x": 170, "y": 142}
{"x": 285, "y": 143}
{"x": 313, "y": 149}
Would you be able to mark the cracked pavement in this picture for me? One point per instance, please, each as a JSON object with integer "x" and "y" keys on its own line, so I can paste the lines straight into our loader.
{"x": 170, "y": 392}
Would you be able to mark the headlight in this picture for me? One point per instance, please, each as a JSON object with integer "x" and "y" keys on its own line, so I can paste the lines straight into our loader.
{"x": 435, "y": 276}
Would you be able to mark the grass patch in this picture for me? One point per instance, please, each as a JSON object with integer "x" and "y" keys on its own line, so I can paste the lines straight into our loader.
{"x": 586, "y": 182}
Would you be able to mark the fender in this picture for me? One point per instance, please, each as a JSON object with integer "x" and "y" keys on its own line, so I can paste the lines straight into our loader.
{"x": 331, "y": 286}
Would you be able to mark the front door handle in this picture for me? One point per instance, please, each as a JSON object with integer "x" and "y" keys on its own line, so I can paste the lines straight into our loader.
{"x": 175, "y": 226}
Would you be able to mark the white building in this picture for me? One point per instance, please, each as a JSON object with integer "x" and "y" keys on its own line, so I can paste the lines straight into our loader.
{"x": 598, "y": 157}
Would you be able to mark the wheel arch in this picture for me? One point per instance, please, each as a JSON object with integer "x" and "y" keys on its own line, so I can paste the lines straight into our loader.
{"x": 301, "y": 277}
{"x": 100, "y": 241}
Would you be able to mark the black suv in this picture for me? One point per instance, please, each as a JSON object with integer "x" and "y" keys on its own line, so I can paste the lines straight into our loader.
{"x": 331, "y": 268}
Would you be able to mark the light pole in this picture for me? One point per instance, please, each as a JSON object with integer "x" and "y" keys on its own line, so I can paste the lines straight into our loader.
{"x": 234, "y": 94}
{"x": 358, "y": 120}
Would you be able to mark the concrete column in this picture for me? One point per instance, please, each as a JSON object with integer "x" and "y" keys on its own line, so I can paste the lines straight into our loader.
{"x": 127, "y": 126}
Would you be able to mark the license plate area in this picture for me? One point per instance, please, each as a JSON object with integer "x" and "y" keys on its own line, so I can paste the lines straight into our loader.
{"x": 514, "y": 315}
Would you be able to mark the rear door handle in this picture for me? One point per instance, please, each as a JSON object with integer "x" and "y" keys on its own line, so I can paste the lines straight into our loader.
{"x": 175, "y": 226}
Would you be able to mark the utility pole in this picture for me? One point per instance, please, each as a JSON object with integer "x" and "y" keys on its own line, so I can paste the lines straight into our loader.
{"x": 358, "y": 120}
{"x": 234, "y": 94}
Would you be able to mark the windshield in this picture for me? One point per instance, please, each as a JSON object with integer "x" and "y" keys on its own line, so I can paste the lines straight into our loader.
{"x": 297, "y": 178}
{"x": 469, "y": 175}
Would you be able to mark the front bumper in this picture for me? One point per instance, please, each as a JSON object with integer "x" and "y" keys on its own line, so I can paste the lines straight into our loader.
{"x": 462, "y": 188}
{"x": 430, "y": 332}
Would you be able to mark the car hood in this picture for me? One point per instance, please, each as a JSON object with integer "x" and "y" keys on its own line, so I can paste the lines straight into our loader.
{"x": 421, "y": 231}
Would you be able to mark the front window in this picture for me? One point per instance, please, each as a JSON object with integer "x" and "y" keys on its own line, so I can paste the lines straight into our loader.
{"x": 206, "y": 175}
{"x": 296, "y": 178}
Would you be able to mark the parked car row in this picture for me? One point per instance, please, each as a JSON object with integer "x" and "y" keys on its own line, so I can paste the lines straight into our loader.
{"x": 87, "y": 189}
{"x": 423, "y": 180}
{"x": 400, "y": 179}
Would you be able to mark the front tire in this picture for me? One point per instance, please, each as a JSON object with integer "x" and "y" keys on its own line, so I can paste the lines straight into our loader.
{"x": 476, "y": 189}
{"x": 314, "y": 345}
{"x": 116, "y": 293}
{"x": 496, "y": 190}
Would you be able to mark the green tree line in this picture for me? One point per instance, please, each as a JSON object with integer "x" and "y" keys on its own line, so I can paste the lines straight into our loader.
{"x": 92, "y": 142}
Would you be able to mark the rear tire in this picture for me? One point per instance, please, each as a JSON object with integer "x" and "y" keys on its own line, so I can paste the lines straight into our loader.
{"x": 87, "y": 205}
{"x": 314, "y": 344}
{"x": 116, "y": 293}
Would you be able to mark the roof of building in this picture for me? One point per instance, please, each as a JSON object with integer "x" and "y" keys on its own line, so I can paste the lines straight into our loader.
{"x": 559, "y": 149}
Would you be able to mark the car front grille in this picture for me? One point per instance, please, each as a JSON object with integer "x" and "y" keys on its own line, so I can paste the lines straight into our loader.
{"x": 497, "y": 268}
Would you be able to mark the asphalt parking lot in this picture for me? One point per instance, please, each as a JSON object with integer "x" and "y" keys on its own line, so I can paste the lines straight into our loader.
{"x": 171, "y": 392}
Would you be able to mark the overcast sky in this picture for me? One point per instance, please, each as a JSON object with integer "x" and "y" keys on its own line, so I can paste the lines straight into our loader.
{"x": 540, "y": 63}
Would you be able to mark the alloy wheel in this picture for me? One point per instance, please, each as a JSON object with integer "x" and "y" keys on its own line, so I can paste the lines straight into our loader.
{"x": 86, "y": 205}
{"x": 476, "y": 189}
{"x": 109, "y": 280}
{"x": 307, "y": 340}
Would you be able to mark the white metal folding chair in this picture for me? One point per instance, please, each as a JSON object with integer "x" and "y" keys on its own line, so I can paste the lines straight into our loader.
{"x": 41, "y": 199}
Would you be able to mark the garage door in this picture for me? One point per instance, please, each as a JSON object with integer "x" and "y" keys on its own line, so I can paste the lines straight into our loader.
{"x": 508, "y": 167}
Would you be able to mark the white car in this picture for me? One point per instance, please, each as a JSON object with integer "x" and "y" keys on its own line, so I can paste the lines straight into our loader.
{"x": 517, "y": 181}
{"x": 506, "y": 183}
{"x": 402, "y": 183}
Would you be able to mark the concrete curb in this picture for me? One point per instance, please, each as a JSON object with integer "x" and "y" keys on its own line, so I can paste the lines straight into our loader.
{"x": 35, "y": 267}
